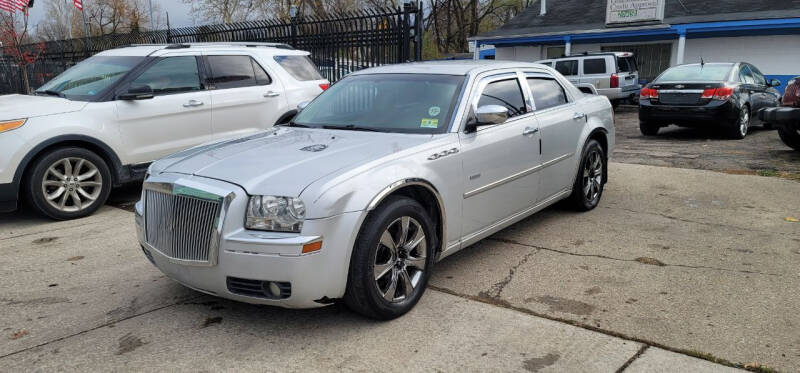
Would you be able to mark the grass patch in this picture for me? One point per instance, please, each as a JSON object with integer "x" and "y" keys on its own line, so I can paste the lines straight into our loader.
{"x": 753, "y": 367}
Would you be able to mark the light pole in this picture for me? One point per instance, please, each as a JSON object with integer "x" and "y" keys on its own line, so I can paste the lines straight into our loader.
{"x": 152, "y": 20}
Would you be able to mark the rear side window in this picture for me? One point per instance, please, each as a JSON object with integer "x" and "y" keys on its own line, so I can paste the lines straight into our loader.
{"x": 504, "y": 93}
{"x": 594, "y": 66}
{"x": 626, "y": 64}
{"x": 567, "y": 68}
{"x": 300, "y": 67}
{"x": 236, "y": 72}
{"x": 546, "y": 93}
{"x": 746, "y": 76}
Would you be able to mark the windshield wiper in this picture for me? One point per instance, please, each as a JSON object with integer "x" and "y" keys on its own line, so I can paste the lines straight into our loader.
{"x": 51, "y": 92}
{"x": 293, "y": 124}
{"x": 351, "y": 127}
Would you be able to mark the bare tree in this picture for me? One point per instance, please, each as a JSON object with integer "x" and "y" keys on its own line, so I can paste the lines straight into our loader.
{"x": 15, "y": 40}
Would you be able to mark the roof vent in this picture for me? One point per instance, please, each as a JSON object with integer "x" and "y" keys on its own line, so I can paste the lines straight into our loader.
{"x": 543, "y": 9}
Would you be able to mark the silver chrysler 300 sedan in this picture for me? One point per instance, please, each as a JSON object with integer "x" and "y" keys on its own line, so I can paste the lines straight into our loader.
{"x": 387, "y": 172}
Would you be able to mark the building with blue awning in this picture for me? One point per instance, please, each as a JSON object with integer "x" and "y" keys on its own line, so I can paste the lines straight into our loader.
{"x": 662, "y": 33}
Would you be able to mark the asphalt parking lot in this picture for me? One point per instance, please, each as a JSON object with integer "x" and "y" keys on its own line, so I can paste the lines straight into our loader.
{"x": 760, "y": 153}
{"x": 674, "y": 264}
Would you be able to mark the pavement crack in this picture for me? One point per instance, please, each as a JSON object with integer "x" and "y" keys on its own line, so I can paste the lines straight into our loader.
{"x": 633, "y": 358}
{"x": 99, "y": 326}
{"x": 497, "y": 288}
{"x": 502, "y": 303}
{"x": 683, "y": 220}
{"x": 636, "y": 260}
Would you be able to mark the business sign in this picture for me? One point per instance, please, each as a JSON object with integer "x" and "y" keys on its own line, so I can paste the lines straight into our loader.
{"x": 634, "y": 11}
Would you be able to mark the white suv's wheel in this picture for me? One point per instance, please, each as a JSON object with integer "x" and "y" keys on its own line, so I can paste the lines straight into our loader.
{"x": 69, "y": 183}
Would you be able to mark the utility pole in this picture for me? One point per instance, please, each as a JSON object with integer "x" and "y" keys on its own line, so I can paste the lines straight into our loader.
{"x": 85, "y": 29}
{"x": 152, "y": 20}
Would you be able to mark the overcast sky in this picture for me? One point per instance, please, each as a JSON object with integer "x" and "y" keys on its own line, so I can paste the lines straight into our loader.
{"x": 178, "y": 11}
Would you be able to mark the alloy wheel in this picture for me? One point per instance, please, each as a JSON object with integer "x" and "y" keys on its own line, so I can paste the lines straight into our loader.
{"x": 400, "y": 259}
{"x": 744, "y": 121}
{"x": 592, "y": 176}
{"x": 72, "y": 184}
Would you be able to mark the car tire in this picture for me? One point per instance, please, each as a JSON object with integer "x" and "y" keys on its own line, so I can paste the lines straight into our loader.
{"x": 590, "y": 180}
{"x": 790, "y": 137}
{"x": 649, "y": 129}
{"x": 385, "y": 281}
{"x": 68, "y": 183}
{"x": 740, "y": 127}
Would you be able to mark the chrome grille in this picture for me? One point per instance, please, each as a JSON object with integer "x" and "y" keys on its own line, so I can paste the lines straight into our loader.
{"x": 181, "y": 227}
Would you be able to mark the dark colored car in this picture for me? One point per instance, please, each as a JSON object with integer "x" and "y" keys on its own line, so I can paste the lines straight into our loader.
{"x": 722, "y": 95}
{"x": 787, "y": 117}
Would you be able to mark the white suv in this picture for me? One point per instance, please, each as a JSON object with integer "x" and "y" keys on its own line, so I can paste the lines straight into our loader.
{"x": 611, "y": 74}
{"x": 100, "y": 123}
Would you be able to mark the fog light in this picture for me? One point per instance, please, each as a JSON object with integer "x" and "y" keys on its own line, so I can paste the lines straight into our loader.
{"x": 274, "y": 290}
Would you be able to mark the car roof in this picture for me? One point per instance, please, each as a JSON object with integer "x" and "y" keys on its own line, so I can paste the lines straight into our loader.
{"x": 451, "y": 67}
{"x": 148, "y": 49}
{"x": 591, "y": 54}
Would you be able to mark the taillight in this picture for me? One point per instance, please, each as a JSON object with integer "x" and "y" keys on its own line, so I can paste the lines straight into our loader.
{"x": 614, "y": 81}
{"x": 723, "y": 93}
{"x": 325, "y": 86}
{"x": 648, "y": 93}
{"x": 708, "y": 93}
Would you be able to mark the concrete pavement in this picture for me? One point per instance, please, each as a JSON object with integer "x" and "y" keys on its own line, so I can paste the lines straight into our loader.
{"x": 673, "y": 260}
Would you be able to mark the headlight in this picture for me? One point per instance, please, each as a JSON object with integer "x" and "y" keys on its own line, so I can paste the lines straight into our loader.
{"x": 11, "y": 124}
{"x": 276, "y": 214}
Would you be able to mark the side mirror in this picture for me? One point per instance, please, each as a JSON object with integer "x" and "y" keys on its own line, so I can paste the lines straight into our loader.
{"x": 774, "y": 82}
{"x": 488, "y": 115}
{"x": 302, "y": 105}
{"x": 137, "y": 93}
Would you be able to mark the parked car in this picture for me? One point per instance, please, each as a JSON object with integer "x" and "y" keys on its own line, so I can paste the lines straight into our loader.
{"x": 722, "y": 95}
{"x": 390, "y": 170}
{"x": 613, "y": 74}
{"x": 100, "y": 123}
{"x": 787, "y": 117}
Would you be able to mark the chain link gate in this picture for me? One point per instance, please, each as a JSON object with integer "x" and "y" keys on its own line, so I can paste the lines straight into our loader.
{"x": 339, "y": 44}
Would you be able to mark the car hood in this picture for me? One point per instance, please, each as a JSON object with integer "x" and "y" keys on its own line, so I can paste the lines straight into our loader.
{"x": 24, "y": 106}
{"x": 284, "y": 161}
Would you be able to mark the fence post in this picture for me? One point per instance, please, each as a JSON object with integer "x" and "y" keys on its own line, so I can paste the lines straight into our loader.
{"x": 419, "y": 34}
{"x": 406, "y": 29}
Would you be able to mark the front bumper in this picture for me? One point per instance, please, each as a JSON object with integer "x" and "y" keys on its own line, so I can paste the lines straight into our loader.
{"x": 715, "y": 113}
{"x": 784, "y": 116}
{"x": 8, "y": 197}
{"x": 315, "y": 278}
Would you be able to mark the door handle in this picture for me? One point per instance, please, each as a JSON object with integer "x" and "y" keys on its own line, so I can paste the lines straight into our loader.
{"x": 577, "y": 116}
{"x": 530, "y": 131}
{"x": 272, "y": 94}
{"x": 193, "y": 103}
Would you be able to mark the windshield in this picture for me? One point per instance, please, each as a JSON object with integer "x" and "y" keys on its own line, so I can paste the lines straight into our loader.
{"x": 696, "y": 73}
{"x": 406, "y": 103}
{"x": 90, "y": 77}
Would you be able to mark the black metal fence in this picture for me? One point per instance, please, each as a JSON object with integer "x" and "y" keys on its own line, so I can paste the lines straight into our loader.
{"x": 338, "y": 44}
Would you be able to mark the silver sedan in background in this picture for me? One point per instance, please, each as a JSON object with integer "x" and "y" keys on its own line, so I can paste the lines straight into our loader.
{"x": 387, "y": 172}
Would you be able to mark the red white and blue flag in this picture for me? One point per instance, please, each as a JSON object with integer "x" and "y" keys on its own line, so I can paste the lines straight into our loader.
{"x": 13, "y": 5}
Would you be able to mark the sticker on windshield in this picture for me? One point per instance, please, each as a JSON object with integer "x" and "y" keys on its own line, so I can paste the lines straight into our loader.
{"x": 434, "y": 111}
{"x": 429, "y": 123}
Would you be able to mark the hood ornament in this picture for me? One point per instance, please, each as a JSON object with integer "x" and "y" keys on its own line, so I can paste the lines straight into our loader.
{"x": 315, "y": 148}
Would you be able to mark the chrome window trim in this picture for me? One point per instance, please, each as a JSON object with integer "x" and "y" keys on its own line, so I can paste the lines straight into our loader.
{"x": 216, "y": 235}
{"x": 516, "y": 176}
